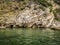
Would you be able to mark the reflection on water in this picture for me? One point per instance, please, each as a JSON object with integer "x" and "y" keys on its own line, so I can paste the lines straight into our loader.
{"x": 29, "y": 36}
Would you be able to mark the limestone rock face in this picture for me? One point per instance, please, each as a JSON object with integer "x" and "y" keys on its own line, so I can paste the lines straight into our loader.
{"x": 31, "y": 17}
{"x": 36, "y": 17}
{"x": 7, "y": 21}
{"x": 55, "y": 25}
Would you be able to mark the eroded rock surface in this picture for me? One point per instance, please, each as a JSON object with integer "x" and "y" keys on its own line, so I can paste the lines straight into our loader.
{"x": 30, "y": 17}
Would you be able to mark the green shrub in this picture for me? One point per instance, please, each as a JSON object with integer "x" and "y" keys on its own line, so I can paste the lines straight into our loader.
{"x": 43, "y": 2}
{"x": 57, "y": 1}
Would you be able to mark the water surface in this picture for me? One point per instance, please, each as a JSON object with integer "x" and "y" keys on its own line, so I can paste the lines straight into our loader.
{"x": 28, "y": 36}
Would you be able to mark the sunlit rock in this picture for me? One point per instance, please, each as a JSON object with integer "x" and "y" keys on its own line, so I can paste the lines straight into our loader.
{"x": 31, "y": 16}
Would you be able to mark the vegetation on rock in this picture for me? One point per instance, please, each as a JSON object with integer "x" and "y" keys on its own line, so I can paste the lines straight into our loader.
{"x": 34, "y": 12}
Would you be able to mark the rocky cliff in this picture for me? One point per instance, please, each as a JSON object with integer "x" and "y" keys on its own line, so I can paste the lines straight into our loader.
{"x": 29, "y": 13}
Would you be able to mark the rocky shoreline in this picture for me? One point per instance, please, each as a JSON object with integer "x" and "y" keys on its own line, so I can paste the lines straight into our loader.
{"x": 30, "y": 17}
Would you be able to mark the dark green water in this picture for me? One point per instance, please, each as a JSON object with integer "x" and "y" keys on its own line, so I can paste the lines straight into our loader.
{"x": 29, "y": 36}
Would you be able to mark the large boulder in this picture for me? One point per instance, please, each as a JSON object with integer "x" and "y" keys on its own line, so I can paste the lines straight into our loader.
{"x": 30, "y": 16}
{"x": 36, "y": 17}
